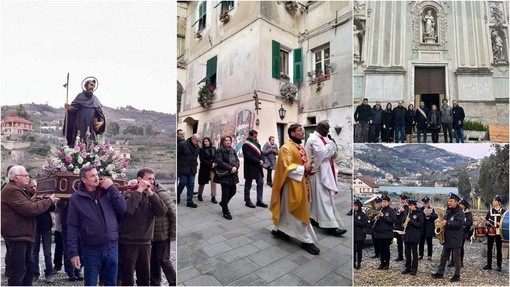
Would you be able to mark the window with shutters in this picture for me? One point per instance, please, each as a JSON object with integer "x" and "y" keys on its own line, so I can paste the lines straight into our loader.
{"x": 286, "y": 63}
{"x": 321, "y": 59}
{"x": 227, "y": 6}
{"x": 210, "y": 75}
{"x": 202, "y": 15}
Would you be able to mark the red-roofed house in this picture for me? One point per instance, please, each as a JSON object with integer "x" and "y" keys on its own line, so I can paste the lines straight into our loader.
{"x": 365, "y": 186}
{"x": 15, "y": 126}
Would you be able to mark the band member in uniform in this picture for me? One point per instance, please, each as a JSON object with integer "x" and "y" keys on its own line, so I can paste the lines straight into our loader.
{"x": 413, "y": 226}
{"x": 360, "y": 222}
{"x": 493, "y": 217}
{"x": 466, "y": 228}
{"x": 375, "y": 240}
{"x": 401, "y": 212}
{"x": 429, "y": 216}
{"x": 451, "y": 227}
{"x": 384, "y": 229}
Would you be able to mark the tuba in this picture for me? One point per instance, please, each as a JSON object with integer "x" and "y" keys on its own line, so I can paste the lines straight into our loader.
{"x": 372, "y": 210}
{"x": 439, "y": 229}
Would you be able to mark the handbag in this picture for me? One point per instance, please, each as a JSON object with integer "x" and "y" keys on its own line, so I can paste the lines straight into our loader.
{"x": 221, "y": 173}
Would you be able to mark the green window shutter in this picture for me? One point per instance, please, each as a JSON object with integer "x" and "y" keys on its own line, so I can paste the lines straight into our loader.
{"x": 298, "y": 65}
{"x": 201, "y": 9}
{"x": 211, "y": 66}
{"x": 276, "y": 60}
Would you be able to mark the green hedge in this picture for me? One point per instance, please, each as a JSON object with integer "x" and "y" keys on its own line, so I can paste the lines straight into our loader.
{"x": 474, "y": 125}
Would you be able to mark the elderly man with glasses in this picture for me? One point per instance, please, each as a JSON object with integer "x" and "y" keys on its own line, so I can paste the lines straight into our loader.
{"x": 18, "y": 212}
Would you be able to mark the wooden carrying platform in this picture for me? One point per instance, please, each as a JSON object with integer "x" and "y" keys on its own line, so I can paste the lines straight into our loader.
{"x": 498, "y": 133}
{"x": 63, "y": 185}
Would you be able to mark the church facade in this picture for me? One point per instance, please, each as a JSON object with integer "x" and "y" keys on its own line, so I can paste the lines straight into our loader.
{"x": 433, "y": 50}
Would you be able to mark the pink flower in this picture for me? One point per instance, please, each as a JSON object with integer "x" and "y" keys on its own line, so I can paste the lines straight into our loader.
{"x": 63, "y": 169}
{"x": 58, "y": 153}
{"x": 69, "y": 159}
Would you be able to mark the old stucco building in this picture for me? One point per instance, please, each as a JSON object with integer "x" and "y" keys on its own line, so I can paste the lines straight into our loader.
{"x": 434, "y": 50}
{"x": 247, "y": 52}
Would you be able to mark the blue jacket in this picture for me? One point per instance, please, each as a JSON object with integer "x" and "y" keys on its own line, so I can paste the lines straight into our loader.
{"x": 94, "y": 221}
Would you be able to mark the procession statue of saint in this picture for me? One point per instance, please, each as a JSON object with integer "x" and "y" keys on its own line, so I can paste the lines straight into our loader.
{"x": 497, "y": 47}
{"x": 358, "y": 36}
{"x": 429, "y": 26}
{"x": 84, "y": 115}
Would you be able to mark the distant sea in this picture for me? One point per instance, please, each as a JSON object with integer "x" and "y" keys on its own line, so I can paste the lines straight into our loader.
{"x": 418, "y": 189}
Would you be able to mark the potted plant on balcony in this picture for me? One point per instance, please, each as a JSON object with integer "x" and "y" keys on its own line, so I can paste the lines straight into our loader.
{"x": 205, "y": 96}
{"x": 225, "y": 17}
{"x": 198, "y": 35}
{"x": 284, "y": 77}
{"x": 288, "y": 92}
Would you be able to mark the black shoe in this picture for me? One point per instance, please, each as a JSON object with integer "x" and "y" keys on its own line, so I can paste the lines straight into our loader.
{"x": 375, "y": 256}
{"x": 178, "y": 200}
{"x": 213, "y": 200}
{"x": 195, "y": 193}
{"x": 420, "y": 258}
{"x": 261, "y": 204}
{"x": 357, "y": 265}
{"x": 462, "y": 265}
{"x": 386, "y": 267}
{"x": 455, "y": 278}
{"x": 399, "y": 259}
{"x": 191, "y": 204}
{"x": 227, "y": 216}
{"x": 280, "y": 234}
{"x": 314, "y": 223}
{"x": 499, "y": 268}
{"x": 72, "y": 277}
{"x": 270, "y": 184}
{"x": 80, "y": 277}
{"x": 413, "y": 272}
{"x": 200, "y": 198}
{"x": 437, "y": 275}
{"x": 310, "y": 248}
{"x": 487, "y": 267}
{"x": 450, "y": 264}
{"x": 335, "y": 231}
{"x": 380, "y": 267}
{"x": 249, "y": 204}
{"x": 429, "y": 258}
{"x": 407, "y": 271}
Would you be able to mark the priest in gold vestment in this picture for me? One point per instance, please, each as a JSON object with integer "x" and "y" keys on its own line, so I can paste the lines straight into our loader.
{"x": 290, "y": 194}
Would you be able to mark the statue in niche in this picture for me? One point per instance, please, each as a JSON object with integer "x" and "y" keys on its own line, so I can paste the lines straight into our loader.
{"x": 358, "y": 38}
{"x": 429, "y": 28}
{"x": 497, "y": 47}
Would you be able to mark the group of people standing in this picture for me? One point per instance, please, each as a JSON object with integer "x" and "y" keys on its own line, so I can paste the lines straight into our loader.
{"x": 111, "y": 234}
{"x": 412, "y": 226}
{"x": 305, "y": 179}
{"x": 399, "y": 124}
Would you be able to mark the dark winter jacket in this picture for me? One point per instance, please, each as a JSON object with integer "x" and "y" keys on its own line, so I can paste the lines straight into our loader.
{"x": 493, "y": 220}
{"x": 377, "y": 116}
{"x": 410, "y": 114}
{"x": 401, "y": 217}
{"x": 360, "y": 221}
{"x": 137, "y": 224}
{"x": 94, "y": 221}
{"x": 446, "y": 114}
{"x": 164, "y": 226}
{"x": 414, "y": 227}
{"x": 399, "y": 116}
{"x": 252, "y": 156}
{"x": 453, "y": 229}
{"x": 18, "y": 213}
{"x": 421, "y": 119}
{"x": 187, "y": 154}
{"x": 362, "y": 113}
{"x": 458, "y": 115}
{"x": 429, "y": 225}
{"x": 206, "y": 160}
{"x": 434, "y": 120}
{"x": 468, "y": 222}
{"x": 384, "y": 225}
{"x": 44, "y": 222}
{"x": 387, "y": 119}
{"x": 226, "y": 159}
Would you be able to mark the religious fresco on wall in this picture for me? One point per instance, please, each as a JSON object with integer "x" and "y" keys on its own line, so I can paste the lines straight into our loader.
{"x": 236, "y": 125}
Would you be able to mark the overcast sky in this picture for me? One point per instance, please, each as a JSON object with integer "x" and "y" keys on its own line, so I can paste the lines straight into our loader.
{"x": 474, "y": 150}
{"x": 128, "y": 46}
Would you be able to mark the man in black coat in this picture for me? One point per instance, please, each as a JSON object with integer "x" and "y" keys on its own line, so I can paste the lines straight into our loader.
{"x": 360, "y": 222}
{"x": 466, "y": 228}
{"x": 429, "y": 216}
{"x": 253, "y": 162}
{"x": 412, "y": 226}
{"x": 375, "y": 123}
{"x": 362, "y": 116}
{"x": 399, "y": 121}
{"x": 421, "y": 122}
{"x": 452, "y": 224}
{"x": 187, "y": 154}
{"x": 458, "y": 121}
{"x": 384, "y": 231}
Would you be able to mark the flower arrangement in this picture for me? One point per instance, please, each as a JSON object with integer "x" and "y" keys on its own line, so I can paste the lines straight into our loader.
{"x": 205, "y": 96}
{"x": 198, "y": 35}
{"x": 224, "y": 17}
{"x": 284, "y": 77}
{"x": 71, "y": 159}
{"x": 288, "y": 92}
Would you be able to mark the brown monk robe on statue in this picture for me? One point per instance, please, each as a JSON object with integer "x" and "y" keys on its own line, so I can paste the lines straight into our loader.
{"x": 84, "y": 114}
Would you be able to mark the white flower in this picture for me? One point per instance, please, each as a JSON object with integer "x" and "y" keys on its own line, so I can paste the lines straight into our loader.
{"x": 86, "y": 164}
{"x": 76, "y": 171}
{"x": 80, "y": 160}
{"x": 71, "y": 166}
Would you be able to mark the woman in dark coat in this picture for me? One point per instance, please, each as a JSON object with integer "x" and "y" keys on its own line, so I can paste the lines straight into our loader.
{"x": 387, "y": 124}
{"x": 434, "y": 123}
{"x": 227, "y": 164}
{"x": 360, "y": 222}
{"x": 410, "y": 113}
{"x": 206, "y": 171}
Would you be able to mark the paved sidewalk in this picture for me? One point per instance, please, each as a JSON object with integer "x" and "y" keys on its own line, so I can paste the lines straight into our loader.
{"x": 215, "y": 251}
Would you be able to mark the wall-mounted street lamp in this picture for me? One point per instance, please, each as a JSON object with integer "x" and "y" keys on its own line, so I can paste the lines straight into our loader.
{"x": 282, "y": 112}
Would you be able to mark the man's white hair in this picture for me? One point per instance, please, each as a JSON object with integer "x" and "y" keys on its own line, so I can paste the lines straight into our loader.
{"x": 15, "y": 170}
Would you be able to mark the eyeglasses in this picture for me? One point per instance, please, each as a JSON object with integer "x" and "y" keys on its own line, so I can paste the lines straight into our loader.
{"x": 23, "y": 175}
